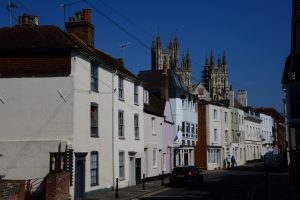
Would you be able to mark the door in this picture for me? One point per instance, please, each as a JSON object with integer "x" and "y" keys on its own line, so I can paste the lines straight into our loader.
{"x": 79, "y": 175}
{"x": 131, "y": 171}
{"x": 186, "y": 158}
{"x": 138, "y": 170}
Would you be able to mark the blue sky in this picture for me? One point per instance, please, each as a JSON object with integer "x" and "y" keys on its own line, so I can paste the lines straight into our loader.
{"x": 255, "y": 35}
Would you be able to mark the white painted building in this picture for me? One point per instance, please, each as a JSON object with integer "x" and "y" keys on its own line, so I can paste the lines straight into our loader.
{"x": 128, "y": 137}
{"x": 266, "y": 133}
{"x": 252, "y": 137}
{"x": 214, "y": 136}
{"x": 153, "y": 136}
{"x": 184, "y": 112}
{"x": 68, "y": 97}
{"x": 225, "y": 113}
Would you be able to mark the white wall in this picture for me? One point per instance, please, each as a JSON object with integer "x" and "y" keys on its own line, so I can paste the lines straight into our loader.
{"x": 129, "y": 143}
{"x": 152, "y": 141}
{"x": 34, "y": 119}
{"x": 83, "y": 142}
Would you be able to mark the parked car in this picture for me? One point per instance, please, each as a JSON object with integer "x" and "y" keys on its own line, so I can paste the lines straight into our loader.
{"x": 187, "y": 175}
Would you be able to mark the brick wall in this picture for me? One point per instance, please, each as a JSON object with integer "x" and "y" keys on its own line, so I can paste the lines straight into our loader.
{"x": 35, "y": 64}
{"x": 201, "y": 146}
{"x": 57, "y": 186}
{"x": 12, "y": 190}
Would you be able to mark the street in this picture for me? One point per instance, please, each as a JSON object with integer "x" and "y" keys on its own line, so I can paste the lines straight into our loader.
{"x": 241, "y": 183}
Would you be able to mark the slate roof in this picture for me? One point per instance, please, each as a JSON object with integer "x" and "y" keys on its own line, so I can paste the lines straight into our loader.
{"x": 156, "y": 106}
{"x": 52, "y": 38}
{"x": 152, "y": 81}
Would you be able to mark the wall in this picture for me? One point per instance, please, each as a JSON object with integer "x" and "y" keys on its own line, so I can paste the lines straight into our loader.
{"x": 129, "y": 143}
{"x": 83, "y": 142}
{"x": 169, "y": 133}
{"x": 57, "y": 186}
{"x": 12, "y": 189}
{"x": 36, "y": 118}
{"x": 152, "y": 141}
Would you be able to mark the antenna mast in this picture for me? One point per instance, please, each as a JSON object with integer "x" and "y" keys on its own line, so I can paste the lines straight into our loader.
{"x": 11, "y": 6}
{"x": 65, "y": 5}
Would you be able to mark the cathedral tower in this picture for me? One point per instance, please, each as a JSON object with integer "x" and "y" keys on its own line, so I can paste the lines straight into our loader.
{"x": 215, "y": 77}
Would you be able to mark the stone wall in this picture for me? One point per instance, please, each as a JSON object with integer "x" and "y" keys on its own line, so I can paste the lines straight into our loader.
{"x": 12, "y": 190}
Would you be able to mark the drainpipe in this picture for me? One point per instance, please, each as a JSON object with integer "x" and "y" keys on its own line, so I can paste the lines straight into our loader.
{"x": 113, "y": 132}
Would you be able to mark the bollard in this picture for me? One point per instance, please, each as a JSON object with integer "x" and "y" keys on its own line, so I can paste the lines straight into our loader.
{"x": 143, "y": 182}
{"x": 162, "y": 178}
{"x": 117, "y": 188}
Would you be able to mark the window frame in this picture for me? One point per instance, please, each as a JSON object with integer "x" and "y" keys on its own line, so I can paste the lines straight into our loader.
{"x": 122, "y": 167}
{"x": 94, "y": 168}
{"x": 94, "y": 123}
{"x": 121, "y": 88}
{"x": 94, "y": 77}
{"x": 136, "y": 94}
{"x": 136, "y": 126}
{"x": 121, "y": 129}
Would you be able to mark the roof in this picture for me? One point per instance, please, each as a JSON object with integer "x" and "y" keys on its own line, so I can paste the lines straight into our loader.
{"x": 52, "y": 38}
{"x": 156, "y": 106}
{"x": 152, "y": 79}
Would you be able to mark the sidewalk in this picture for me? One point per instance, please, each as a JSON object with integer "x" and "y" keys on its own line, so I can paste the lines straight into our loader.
{"x": 130, "y": 192}
{"x": 136, "y": 191}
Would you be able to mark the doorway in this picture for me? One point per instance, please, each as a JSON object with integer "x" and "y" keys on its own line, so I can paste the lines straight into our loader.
{"x": 79, "y": 190}
{"x": 138, "y": 170}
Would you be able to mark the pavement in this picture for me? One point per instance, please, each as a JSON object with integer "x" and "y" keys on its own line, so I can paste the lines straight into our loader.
{"x": 279, "y": 187}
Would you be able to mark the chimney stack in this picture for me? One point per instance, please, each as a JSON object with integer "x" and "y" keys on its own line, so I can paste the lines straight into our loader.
{"x": 242, "y": 97}
{"x": 164, "y": 94}
{"x": 28, "y": 20}
{"x": 81, "y": 26}
{"x": 231, "y": 97}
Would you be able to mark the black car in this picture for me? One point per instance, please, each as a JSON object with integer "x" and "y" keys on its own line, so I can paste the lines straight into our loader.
{"x": 188, "y": 175}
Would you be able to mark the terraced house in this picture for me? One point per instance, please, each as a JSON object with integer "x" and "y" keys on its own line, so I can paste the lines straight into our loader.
{"x": 61, "y": 94}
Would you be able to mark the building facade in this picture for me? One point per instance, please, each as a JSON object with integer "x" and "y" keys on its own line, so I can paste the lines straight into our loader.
{"x": 65, "y": 96}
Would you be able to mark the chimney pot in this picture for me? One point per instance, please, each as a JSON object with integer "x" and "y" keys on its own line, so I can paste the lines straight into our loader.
{"x": 87, "y": 15}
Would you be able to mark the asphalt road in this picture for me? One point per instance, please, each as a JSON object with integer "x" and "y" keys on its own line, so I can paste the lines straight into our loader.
{"x": 244, "y": 183}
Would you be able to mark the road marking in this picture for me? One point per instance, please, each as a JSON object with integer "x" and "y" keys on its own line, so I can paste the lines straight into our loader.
{"x": 251, "y": 193}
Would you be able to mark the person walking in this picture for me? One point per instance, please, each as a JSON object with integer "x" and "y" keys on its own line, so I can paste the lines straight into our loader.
{"x": 228, "y": 161}
{"x": 232, "y": 162}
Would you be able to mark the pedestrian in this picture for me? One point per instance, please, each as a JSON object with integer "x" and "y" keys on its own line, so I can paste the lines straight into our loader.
{"x": 232, "y": 162}
{"x": 224, "y": 163}
{"x": 228, "y": 161}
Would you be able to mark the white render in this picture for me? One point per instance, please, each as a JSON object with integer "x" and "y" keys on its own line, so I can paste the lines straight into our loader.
{"x": 266, "y": 133}
{"x": 129, "y": 143}
{"x": 153, "y": 145}
{"x": 45, "y": 114}
{"x": 240, "y": 156}
{"x": 252, "y": 138}
{"x": 184, "y": 111}
{"x": 225, "y": 132}
{"x": 214, "y": 136}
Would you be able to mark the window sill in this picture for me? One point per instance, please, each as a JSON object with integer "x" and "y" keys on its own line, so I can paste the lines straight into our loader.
{"x": 95, "y": 91}
{"x": 154, "y": 167}
{"x": 121, "y": 138}
{"x": 137, "y": 138}
{"x": 94, "y": 184}
{"x": 121, "y": 99}
{"x": 94, "y": 136}
{"x": 137, "y": 104}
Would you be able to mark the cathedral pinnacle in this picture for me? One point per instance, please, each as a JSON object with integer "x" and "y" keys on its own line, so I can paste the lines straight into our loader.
{"x": 224, "y": 58}
{"x": 212, "y": 59}
{"x": 219, "y": 60}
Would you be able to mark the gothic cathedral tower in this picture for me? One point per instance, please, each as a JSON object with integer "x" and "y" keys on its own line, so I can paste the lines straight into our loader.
{"x": 170, "y": 57}
{"x": 215, "y": 77}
